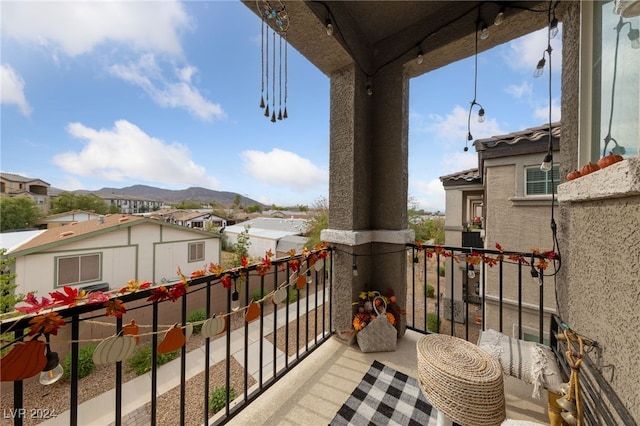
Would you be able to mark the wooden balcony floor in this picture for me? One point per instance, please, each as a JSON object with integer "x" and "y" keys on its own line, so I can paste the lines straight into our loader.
{"x": 314, "y": 391}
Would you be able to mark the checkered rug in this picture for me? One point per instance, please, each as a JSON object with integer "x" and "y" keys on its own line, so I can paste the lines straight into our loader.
{"x": 386, "y": 397}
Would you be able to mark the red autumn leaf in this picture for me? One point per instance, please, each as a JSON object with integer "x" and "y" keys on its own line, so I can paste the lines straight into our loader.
{"x": 96, "y": 297}
{"x": 262, "y": 269}
{"x": 518, "y": 259}
{"x": 48, "y": 323}
{"x": 226, "y": 281}
{"x": 542, "y": 264}
{"x": 133, "y": 286}
{"x": 69, "y": 297}
{"x": 244, "y": 261}
{"x": 33, "y": 305}
{"x": 550, "y": 254}
{"x": 294, "y": 265}
{"x": 499, "y": 247}
{"x": 491, "y": 261}
{"x": 305, "y": 252}
{"x": 158, "y": 294}
{"x": 145, "y": 285}
{"x": 198, "y": 273}
{"x": 215, "y": 269}
{"x": 115, "y": 308}
{"x": 177, "y": 291}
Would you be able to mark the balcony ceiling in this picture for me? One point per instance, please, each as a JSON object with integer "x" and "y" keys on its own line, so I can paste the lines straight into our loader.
{"x": 378, "y": 33}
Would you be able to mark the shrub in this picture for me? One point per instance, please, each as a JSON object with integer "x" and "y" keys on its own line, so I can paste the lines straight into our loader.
{"x": 433, "y": 323}
{"x": 441, "y": 269}
{"x": 85, "y": 362}
{"x": 218, "y": 398}
{"x": 430, "y": 291}
{"x": 257, "y": 294}
{"x": 198, "y": 315}
{"x": 140, "y": 361}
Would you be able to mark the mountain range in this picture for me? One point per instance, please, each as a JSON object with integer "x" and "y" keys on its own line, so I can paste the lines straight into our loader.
{"x": 194, "y": 193}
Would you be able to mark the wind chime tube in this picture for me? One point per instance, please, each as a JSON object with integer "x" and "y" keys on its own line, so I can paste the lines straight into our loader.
{"x": 262, "y": 65}
{"x": 286, "y": 75}
{"x": 280, "y": 80}
{"x": 266, "y": 42}
{"x": 273, "y": 78}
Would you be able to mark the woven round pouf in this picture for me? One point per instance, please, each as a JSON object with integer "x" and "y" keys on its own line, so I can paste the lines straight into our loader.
{"x": 461, "y": 380}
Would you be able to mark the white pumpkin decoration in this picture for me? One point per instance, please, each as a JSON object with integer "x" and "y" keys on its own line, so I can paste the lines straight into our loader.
{"x": 114, "y": 349}
{"x": 213, "y": 326}
{"x": 319, "y": 265}
{"x": 280, "y": 295}
{"x": 188, "y": 330}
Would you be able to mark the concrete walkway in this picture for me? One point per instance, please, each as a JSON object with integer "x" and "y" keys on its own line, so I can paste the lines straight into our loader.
{"x": 136, "y": 393}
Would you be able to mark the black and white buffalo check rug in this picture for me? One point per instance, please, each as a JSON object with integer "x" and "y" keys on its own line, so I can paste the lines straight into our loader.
{"x": 386, "y": 397}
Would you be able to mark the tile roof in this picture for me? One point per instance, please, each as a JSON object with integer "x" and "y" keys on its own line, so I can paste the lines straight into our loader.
{"x": 532, "y": 134}
{"x": 469, "y": 175}
{"x": 17, "y": 178}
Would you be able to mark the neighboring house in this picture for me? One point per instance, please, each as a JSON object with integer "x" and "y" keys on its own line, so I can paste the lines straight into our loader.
{"x": 109, "y": 251}
{"x": 131, "y": 205}
{"x": 277, "y": 235}
{"x": 64, "y": 219}
{"x": 198, "y": 219}
{"x": 14, "y": 185}
{"x": 512, "y": 200}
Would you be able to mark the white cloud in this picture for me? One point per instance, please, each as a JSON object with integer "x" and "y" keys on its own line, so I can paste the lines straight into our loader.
{"x": 522, "y": 91}
{"x": 457, "y": 161}
{"x": 429, "y": 196}
{"x": 452, "y": 128}
{"x": 148, "y": 75}
{"x": 77, "y": 27}
{"x": 13, "y": 89}
{"x": 543, "y": 112}
{"x": 524, "y": 53}
{"x": 126, "y": 152}
{"x": 283, "y": 168}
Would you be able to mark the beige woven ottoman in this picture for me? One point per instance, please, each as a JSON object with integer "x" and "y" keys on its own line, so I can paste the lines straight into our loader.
{"x": 463, "y": 382}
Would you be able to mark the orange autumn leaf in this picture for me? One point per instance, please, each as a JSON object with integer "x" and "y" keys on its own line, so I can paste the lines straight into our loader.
{"x": 198, "y": 273}
{"x": 291, "y": 252}
{"x": 134, "y": 285}
{"x": 115, "y": 308}
{"x": 48, "y": 323}
{"x": 215, "y": 269}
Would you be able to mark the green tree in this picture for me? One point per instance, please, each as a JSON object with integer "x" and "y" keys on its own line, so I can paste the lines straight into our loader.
{"x": 8, "y": 297}
{"x": 18, "y": 213}
{"x": 318, "y": 221}
{"x": 188, "y": 205}
{"x": 241, "y": 247}
{"x": 256, "y": 208}
{"x": 68, "y": 201}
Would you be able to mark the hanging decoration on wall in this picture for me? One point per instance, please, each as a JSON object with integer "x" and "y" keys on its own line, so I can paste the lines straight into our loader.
{"x": 275, "y": 20}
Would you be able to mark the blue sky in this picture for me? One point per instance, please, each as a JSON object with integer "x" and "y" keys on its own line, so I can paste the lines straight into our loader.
{"x": 166, "y": 94}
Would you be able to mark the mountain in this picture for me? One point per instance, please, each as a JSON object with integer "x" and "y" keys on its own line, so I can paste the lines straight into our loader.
{"x": 195, "y": 193}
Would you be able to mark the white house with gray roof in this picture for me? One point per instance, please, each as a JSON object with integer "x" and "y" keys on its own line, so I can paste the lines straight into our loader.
{"x": 265, "y": 233}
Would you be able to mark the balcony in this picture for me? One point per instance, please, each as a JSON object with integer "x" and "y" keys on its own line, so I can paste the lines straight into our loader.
{"x": 285, "y": 365}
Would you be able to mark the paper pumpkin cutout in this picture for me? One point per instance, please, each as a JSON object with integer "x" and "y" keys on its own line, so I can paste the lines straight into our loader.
{"x": 253, "y": 312}
{"x": 173, "y": 340}
{"x": 213, "y": 326}
{"x": 188, "y": 330}
{"x": 131, "y": 329}
{"x": 318, "y": 265}
{"x": 115, "y": 349}
{"x": 280, "y": 295}
{"x": 25, "y": 360}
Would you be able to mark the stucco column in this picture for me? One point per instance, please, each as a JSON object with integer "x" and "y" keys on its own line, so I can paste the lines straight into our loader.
{"x": 368, "y": 187}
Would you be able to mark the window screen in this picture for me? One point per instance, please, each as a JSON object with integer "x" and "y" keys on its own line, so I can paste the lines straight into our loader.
{"x": 78, "y": 269}
{"x": 539, "y": 182}
{"x": 196, "y": 252}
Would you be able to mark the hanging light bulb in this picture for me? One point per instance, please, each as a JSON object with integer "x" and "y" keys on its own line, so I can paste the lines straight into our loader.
{"x": 539, "y": 68}
{"x": 329, "y": 27}
{"x": 420, "y": 58}
{"x": 499, "y": 17}
{"x": 52, "y": 372}
{"x": 355, "y": 269}
{"x": 634, "y": 37}
{"x": 369, "y": 90}
{"x": 471, "y": 272}
{"x": 553, "y": 27}
{"x": 481, "y": 116}
{"x": 235, "y": 301}
{"x": 308, "y": 276}
{"x": 547, "y": 163}
{"x": 484, "y": 32}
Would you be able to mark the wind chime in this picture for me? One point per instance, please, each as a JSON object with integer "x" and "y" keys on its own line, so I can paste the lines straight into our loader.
{"x": 275, "y": 19}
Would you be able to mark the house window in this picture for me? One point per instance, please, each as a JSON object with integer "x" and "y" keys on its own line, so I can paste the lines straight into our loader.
{"x": 610, "y": 103}
{"x": 538, "y": 182}
{"x": 196, "y": 252}
{"x": 78, "y": 269}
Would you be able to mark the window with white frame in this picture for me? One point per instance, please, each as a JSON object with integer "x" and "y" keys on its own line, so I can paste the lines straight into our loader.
{"x": 196, "y": 252}
{"x": 610, "y": 103}
{"x": 78, "y": 269}
{"x": 538, "y": 182}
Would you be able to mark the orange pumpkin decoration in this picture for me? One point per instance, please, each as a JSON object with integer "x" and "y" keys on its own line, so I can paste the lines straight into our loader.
{"x": 131, "y": 329}
{"x": 573, "y": 175}
{"x": 253, "y": 312}
{"x": 608, "y": 160}
{"x": 301, "y": 282}
{"x": 589, "y": 168}
{"x": 25, "y": 360}
{"x": 173, "y": 340}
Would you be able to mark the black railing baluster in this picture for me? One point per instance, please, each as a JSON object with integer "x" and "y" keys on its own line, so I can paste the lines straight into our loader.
{"x": 315, "y": 311}
{"x": 306, "y": 328}
{"x": 452, "y": 298}
{"x": 413, "y": 287}
{"x": 483, "y": 283}
{"x": 465, "y": 300}
{"x": 227, "y": 358}
{"x": 438, "y": 298}
{"x": 261, "y": 337}
{"x": 207, "y": 354}
{"x": 18, "y": 390}
{"x": 154, "y": 365}
{"x": 330, "y": 296}
{"x": 275, "y": 321}
{"x": 75, "y": 349}
{"x": 286, "y": 322}
{"x": 183, "y": 362}
{"x": 246, "y": 344}
{"x": 424, "y": 290}
{"x": 500, "y": 290}
{"x": 520, "y": 300}
{"x": 541, "y": 306}
{"x": 118, "y": 380}
{"x": 297, "y": 320}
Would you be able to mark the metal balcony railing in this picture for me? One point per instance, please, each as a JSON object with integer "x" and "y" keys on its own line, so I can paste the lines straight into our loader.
{"x": 307, "y": 313}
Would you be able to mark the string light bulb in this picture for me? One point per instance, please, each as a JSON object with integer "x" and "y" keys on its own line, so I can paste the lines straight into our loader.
{"x": 471, "y": 272}
{"x": 53, "y": 371}
{"x": 553, "y": 27}
{"x": 235, "y": 301}
{"x": 481, "y": 116}
{"x": 369, "y": 90}
{"x": 499, "y": 17}
{"x": 634, "y": 37}
{"x": 539, "y": 68}
{"x": 329, "y": 27}
{"x": 547, "y": 163}
{"x": 355, "y": 269}
{"x": 419, "y": 58}
{"x": 308, "y": 276}
{"x": 484, "y": 32}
